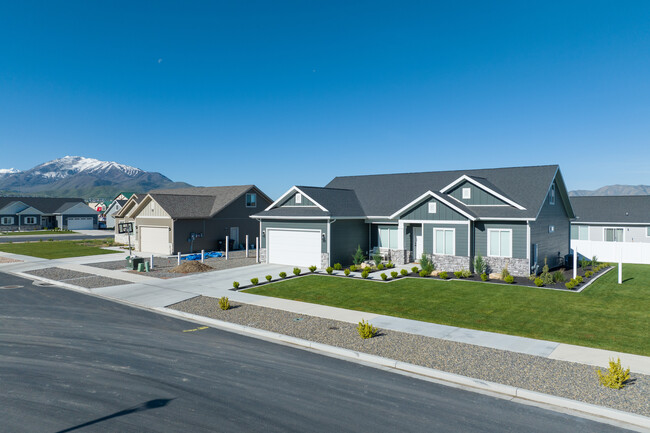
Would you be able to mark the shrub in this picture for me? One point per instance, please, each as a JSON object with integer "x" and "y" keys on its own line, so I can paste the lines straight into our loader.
{"x": 296, "y": 271}
{"x": 283, "y": 275}
{"x": 570, "y": 284}
{"x": 426, "y": 264}
{"x": 443, "y": 275}
{"x": 255, "y": 281}
{"x": 365, "y": 273}
{"x": 313, "y": 268}
{"x": 588, "y": 274}
{"x": 532, "y": 277}
{"x": 484, "y": 276}
{"x": 415, "y": 269}
{"x": 466, "y": 273}
{"x": 594, "y": 261}
{"x": 616, "y": 377}
{"x": 268, "y": 278}
{"x": 358, "y": 256}
{"x": 404, "y": 272}
{"x": 329, "y": 270}
{"x": 509, "y": 279}
{"x": 224, "y": 303}
{"x": 424, "y": 273}
{"x": 377, "y": 259}
{"x": 346, "y": 272}
{"x": 235, "y": 284}
{"x": 505, "y": 272}
{"x": 394, "y": 274}
{"x": 380, "y": 267}
{"x": 579, "y": 279}
{"x": 390, "y": 265}
{"x": 480, "y": 267}
{"x": 458, "y": 274}
{"x": 384, "y": 276}
{"x": 353, "y": 268}
{"x": 539, "y": 282}
{"x": 338, "y": 266}
{"x": 545, "y": 276}
{"x": 366, "y": 330}
{"x": 584, "y": 263}
{"x": 558, "y": 277}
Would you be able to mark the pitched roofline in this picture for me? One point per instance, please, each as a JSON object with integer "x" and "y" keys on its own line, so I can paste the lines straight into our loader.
{"x": 140, "y": 205}
{"x": 257, "y": 190}
{"x": 12, "y": 202}
{"x": 120, "y": 212}
{"x": 565, "y": 197}
{"x": 295, "y": 188}
{"x": 601, "y": 223}
{"x": 28, "y": 208}
{"x": 436, "y": 196}
{"x": 484, "y": 188}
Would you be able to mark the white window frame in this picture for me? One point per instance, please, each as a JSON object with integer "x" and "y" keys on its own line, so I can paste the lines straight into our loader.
{"x": 390, "y": 229}
{"x": 7, "y": 221}
{"x": 298, "y": 198}
{"x": 551, "y": 195}
{"x": 30, "y": 220}
{"x": 613, "y": 228}
{"x": 453, "y": 241}
{"x": 551, "y": 228}
{"x": 647, "y": 232}
{"x": 254, "y": 201}
{"x": 586, "y": 230}
{"x": 433, "y": 207}
{"x": 489, "y": 236}
{"x": 466, "y": 193}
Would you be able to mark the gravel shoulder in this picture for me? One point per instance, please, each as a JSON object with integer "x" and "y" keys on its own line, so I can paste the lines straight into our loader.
{"x": 82, "y": 279}
{"x": 564, "y": 379}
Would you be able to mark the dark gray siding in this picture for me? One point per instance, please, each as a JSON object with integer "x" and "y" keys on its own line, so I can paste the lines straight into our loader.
{"x": 345, "y": 236}
{"x": 460, "y": 237}
{"x": 24, "y": 217}
{"x": 550, "y": 244}
{"x": 519, "y": 235}
{"x": 478, "y": 195}
{"x": 296, "y": 224}
{"x": 408, "y": 238}
{"x": 291, "y": 201}
{"x": 443, "y": 212}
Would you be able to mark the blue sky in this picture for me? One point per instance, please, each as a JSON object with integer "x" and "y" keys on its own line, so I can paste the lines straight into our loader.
{"x": 283, "y": 93}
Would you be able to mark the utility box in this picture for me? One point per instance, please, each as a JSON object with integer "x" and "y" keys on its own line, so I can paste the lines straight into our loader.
{"x": 137, "y": 261}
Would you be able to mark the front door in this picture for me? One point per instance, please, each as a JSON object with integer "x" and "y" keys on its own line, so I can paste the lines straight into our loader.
{"x": 418, "y": 244}
{"x": 234, "y": 237}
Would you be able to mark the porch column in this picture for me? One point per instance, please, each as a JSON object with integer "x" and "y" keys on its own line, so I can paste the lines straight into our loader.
{"x": 400, "y": 235}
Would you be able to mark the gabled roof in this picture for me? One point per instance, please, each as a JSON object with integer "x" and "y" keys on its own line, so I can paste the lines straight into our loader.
{"x": 622, "y": 209}
{"x": 83, "y": 208}
{"x": 328, "y": 202}
{"x": 47, "y": 205}
{"x": 446, "y": 199}
{"x": 29, "y": 211}
{"x": 134, "y": 200}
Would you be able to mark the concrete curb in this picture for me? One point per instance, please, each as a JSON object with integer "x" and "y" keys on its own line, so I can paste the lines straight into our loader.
{"x": 468, "y": 382}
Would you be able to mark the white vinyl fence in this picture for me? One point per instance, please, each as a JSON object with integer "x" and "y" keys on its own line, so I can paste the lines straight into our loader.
{"x": 629, "y": 252}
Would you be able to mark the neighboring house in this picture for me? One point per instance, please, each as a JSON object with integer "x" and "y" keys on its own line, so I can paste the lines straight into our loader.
{"x": 612, "y": 227}
{"x": 35, "y": 213}
{"x": 125, "y": 215}
{"x": 193, "y": 219}
{"x": 113, "y": 208}
{"x": 515, "y": 216}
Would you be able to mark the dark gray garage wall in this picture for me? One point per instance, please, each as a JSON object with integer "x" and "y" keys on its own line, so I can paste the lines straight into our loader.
{"x": 296, "y": 225}
{"x": 549, "y": 244}
{"x": 345, "y": 236}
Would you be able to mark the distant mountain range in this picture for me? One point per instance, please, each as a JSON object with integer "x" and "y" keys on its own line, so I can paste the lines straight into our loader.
{"x": 614, "y": 190}
{"x": 76, "y": 176}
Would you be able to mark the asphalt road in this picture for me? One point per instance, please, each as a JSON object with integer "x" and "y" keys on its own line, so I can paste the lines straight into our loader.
{"x": 35, "y": 238}
{"x": 71, "y": 362}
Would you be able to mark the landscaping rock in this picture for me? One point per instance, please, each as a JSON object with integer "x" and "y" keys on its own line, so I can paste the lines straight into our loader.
{"x": 190, "y": 267}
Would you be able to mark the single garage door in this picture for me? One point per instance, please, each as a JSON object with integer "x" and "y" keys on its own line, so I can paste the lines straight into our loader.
{"x": 294, "y": 247}
{"x": 154, "y": 240}
{"x": 80, "y": 223}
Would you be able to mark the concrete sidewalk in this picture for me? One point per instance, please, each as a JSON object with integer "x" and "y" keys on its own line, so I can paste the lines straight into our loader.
{"x": 153, "y": 292}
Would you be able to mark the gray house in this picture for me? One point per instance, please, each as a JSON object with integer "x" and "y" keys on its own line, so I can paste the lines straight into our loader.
{"x": 34, "y": 213}
{"x": 191, "y": 219}
{"x": 515, "y": 216}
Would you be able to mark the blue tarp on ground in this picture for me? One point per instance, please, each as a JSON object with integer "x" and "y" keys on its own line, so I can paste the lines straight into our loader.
{"x": 198, "y": 256}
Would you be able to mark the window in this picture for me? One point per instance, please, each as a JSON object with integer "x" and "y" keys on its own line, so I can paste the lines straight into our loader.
{"x": 388, "y": 237}
{"x": 298, "y": 198}
{"x": 7, "y": 220}
{"x": 433, "y": 207}
{"x": 551, "y": 195}
{"x": 251, "y": 200}
{"x": 551, "y": 229}
{"x": 444, "y": 242}
{"x": 467, "y": 193}
{"x": 30, "y": 220}
{"x": 647, "y": 233}
{"x": 500, "y": 243}
{"x": 580, "y": 233}
{"x": 613, "y": 235}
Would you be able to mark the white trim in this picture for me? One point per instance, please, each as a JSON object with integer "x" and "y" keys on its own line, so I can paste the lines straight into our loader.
{"x": 485, "y": 205}
{"x": 591, "y": 223}
{"x": 154, "y": 217}
{"x": 434, "y": 222}
{"x": 647, "y": 232}
{"x": 528, "y": 246}
{"x": 432, "y": 209}
{"x": 298, "y": 198}
{"x": 324, "y": 217}
{"x": 614, "y": 228}
{"x": 329, "y": 254}
{"x": 506, "y": 219}
{"x": 386, "y": 223}
{"x": 391, "y": 227}
{"x": 295, "y": 188}
{"x": 466, "y": 193}
{"x": 28, "y": 220}
{"x": 453, "y": 230}
{"x": 4, "y": 218}
{"x": 437, "y": 197}
{"x": 469, "y": 241}
{"x": 377, "y": 217}
{"x": 400, "y": 235}
{"x": 301, "y": 206}
{"x": 488, "y": 242}
{"x": 484, "y": 188}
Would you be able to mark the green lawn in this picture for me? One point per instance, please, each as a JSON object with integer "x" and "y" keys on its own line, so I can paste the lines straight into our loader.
{"x": 606, "y": 315}
{"x": 58, "y": 249}
{"x": 39, "y": 232}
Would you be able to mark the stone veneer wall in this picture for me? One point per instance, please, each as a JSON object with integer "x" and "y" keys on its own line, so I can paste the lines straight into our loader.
{"x": 398, "y": 257}
{"x": 449, "y": 263}
{"x": 262, "y": 255}
{"x": 516, "y": 267}
{"x": 324, "y": 260}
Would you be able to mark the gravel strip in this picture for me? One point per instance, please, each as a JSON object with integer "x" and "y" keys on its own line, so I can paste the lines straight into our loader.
{"x": 565, "y": 379}
{"x": 81, "y": 279}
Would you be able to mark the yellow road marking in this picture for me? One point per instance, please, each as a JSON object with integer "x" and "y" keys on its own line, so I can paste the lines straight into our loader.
{"x": 196, "y": 329}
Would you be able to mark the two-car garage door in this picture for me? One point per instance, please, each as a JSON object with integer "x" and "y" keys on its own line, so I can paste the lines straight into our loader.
{"x": 154, "y": 240}
{"x": 294, "y": 247}
{"x": 80, "y": 223}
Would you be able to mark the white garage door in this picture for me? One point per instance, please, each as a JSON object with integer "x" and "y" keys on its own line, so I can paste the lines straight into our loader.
{"x": 154, "y": 240}
{"x": 294, "y": 247}
{"x": 80, "y": 223}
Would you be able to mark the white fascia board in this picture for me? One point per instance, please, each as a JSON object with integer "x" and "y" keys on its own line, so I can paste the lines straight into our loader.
{"x": 295, "y": 189}
{"x": 484, "y": 188}
{"x": 294, "y": 218}
{"x": 434, "y": 222}
{"x": 601, "y": 223}
{"x": 506, "y": 219}
{"x": 30, "y": 210}
{"x": 437, "y": 197}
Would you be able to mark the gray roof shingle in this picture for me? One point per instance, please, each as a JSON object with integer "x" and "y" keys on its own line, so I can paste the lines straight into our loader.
{"x": 47, "y": 205}
{"x": 633, "y": 209}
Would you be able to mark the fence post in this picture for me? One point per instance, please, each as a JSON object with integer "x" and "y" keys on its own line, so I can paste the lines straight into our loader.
{"x": 202, "y": 255}
{"x": 227, "y": 247}
{"x": 151, "y": 262}
{"x": 575, "y": 263}
{"x": 257, "y": 249}
{"x": 620, "y": 265}
{"x": 246, "y": 246}
{"x": 178, "y": 255}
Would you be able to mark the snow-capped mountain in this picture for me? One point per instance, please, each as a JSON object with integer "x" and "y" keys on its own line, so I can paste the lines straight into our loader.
{"x": 76, "y": 176}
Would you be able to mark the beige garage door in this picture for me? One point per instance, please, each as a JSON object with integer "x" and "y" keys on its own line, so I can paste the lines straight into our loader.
{"x": 294, "y": 247}
{"x": 154, "y": 240}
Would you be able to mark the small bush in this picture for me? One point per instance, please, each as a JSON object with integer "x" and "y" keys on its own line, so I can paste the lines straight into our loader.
{"x": 505, "y": 272}
{"x": 484, "y": 276}
{"x": 426, "y": 264}
{"x": 584, "y": 263}
{"x": 616, "y": 377}
{"x": 546, "y": 276}
{"x": 224, "y": 303}
{"x": 268, "y": 278}
{"x": 594, "y": 261}
{"x": 329, "y": 270}
{"x": 296, "y": 271}
{"x": 390, "y": 265}
{"x": 480, "y": 267}
{"x": 404, "y": 272}
{"x": 570, "y": 284}
{"x": 539, "y": 282}
{"x": 255, "y": 281}
{"x": 365, "y": 273}
{"x": 346, "y": 272}
{"x": 337, "y": 266}
{"x": 558, "y": 277}
{"x": 358, "y": 256}
{"x": 509, "y": 279}
{"x": 579, "y": 279}
{"x": 443, "y": 275}
{"x": 532, "y": 277}
{"x": 394, "y": 274}
{"x": 283, "y": 275}
{"x": 366, "y": 330}
{"x": 384, "y": 276}
{"x": 377, "y": 259}
{"x": 353, "y": 268}
{"x": 465, "y": 273}
{"x": 415, "y": 269}
{"x": 235, "y": 284}
{"x": 424, "y": 273}
{"x": 313, "y": 268}
{"x": 380, "y": 267}
{"x": 588, "y": 274}
{"x": 458, "y": 274}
